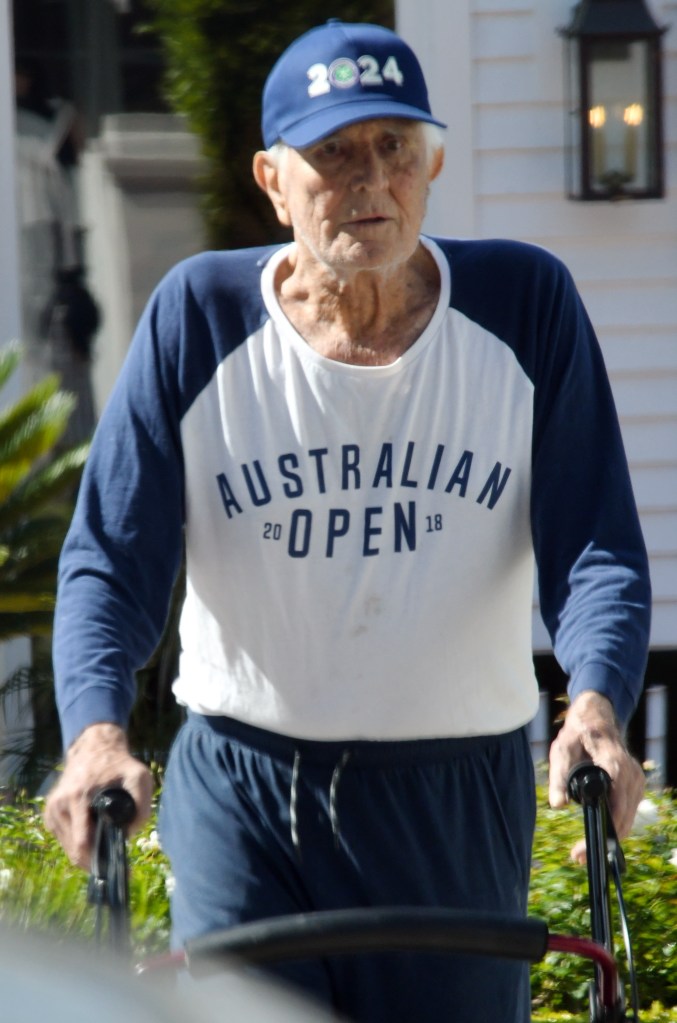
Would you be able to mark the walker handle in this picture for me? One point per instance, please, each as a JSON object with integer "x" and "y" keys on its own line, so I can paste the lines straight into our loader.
{"x": 113, "y": 808}
{"x": 344, "y": 932}
{"x": 589, "y": 785}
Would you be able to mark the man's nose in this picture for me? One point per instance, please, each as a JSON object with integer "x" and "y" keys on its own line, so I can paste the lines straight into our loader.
{"x": 369, "y": 170}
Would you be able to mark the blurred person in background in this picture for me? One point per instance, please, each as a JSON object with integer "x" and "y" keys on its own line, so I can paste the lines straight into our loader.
{"x": 59, "y": 315}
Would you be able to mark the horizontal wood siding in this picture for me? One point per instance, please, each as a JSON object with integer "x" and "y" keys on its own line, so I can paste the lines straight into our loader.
{"x": 623, "y": 256}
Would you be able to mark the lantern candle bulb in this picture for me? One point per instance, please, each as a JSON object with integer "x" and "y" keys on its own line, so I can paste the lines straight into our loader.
{"x": 633, "y": 116}
{"x": 597, "y": 120}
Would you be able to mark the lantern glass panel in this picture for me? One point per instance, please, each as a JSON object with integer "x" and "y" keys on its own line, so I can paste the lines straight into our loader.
{"x": 619, "y": 117}
{"x": 574, "y": 140}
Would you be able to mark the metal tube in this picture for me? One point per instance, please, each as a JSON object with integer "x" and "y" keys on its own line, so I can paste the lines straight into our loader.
{"x": 656, "y": 702}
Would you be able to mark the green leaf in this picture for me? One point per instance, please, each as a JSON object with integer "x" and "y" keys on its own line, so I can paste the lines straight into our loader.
{"x": 10, "y": 358}
{"x": 44, "y": 485}
{"x": 36, "y": 499}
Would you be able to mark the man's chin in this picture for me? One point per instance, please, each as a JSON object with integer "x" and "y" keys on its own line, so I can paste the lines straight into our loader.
{"x": 368, "y": 255}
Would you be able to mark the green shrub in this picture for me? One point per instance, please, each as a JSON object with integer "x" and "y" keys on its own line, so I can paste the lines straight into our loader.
{"x": 39, "y": 889}
{"x": 656, "y": 1013}
{"x": 559, "y": 895}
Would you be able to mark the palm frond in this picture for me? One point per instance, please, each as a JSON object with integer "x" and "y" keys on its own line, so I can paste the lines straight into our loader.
{"x": 13, "y": 417}
{"x": 27, "y": 403}
{"x": 32, "y": 437}
{"x": 10, "y": 357}
{"x": 44, "y": 485}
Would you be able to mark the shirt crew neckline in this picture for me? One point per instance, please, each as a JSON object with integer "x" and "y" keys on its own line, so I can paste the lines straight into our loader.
{"x": 308, "y": 354}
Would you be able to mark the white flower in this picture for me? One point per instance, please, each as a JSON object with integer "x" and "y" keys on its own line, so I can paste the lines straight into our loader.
{"x": 153, "y": 840}
{"x": 170, "y": 884}
{"x": 673, "y": 858}
{"x": 647, "y": 813}
{"x": 5, "y": 878}
{"x": 150, "y": 843}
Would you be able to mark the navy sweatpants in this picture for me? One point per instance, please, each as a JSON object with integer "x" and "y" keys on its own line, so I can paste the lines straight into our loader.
{"x": 257, "y": 824}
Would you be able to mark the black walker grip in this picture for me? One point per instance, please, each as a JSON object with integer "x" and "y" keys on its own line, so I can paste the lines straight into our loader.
{"x": 587, "y": 783}
{"x": 114, "y": 806}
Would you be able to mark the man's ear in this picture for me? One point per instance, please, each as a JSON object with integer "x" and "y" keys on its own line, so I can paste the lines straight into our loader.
{"x": 266, "y": 169}
{"x": 437, "y": 163}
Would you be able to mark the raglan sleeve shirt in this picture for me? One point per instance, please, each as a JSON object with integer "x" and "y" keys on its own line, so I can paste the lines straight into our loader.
{"x": 124, "y": 546}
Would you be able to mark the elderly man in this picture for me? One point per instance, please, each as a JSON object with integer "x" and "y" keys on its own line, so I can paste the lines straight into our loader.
{"x": 368, "y": 439}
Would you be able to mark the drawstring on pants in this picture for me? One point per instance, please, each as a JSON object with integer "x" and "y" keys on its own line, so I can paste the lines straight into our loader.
{"x": 293, "y": 802}
{"x": 333, "y": 795}
{"x": 333, "y": 800}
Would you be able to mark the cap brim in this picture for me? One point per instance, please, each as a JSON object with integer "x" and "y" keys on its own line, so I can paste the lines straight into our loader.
{"x": 325, "y": 122}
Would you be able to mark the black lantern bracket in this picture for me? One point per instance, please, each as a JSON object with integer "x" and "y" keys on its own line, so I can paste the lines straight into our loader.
{"x": 613, "y": 62}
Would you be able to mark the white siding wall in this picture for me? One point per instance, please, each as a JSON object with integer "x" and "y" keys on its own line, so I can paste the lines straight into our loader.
{"x": 495, "y": 71}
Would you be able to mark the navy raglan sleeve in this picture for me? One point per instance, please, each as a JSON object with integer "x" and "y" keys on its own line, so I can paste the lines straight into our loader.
{"x": 123, "y": 549}
{"x": 593, "y": 574}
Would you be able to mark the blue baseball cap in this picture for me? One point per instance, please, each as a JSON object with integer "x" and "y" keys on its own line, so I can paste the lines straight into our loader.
{"x": 339, "y": 74}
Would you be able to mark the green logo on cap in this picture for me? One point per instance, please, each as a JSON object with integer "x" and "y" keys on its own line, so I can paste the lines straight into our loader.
{"x": 344, "y": 73}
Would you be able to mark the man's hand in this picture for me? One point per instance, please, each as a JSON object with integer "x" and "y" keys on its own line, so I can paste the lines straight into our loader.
{"x": 590, "y": 732}
{"x": 99, "y": 757}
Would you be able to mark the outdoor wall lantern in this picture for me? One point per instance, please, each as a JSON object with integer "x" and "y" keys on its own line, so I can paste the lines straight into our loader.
{"x": 615, "y": 137}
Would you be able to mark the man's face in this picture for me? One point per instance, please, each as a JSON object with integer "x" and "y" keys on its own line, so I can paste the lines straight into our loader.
{"x": 356, "y": 199}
